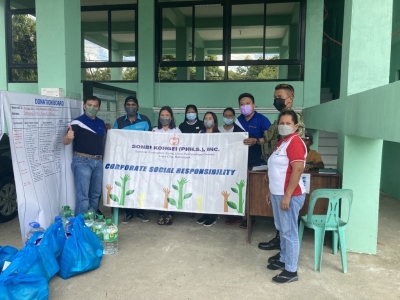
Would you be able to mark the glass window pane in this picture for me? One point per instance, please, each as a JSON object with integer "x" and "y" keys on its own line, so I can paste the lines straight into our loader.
{"x": 23, "y": 39}
{"x": 23, "y": 75}
{"x": 206, "y": 73}
{"x": 106, "y": 2}
{"x": 94, "y": 36}
{"x": 22, "y": 4}
{"x": 208, "y": 32}
{"x": 109, "y": 74}
{"x": 282, "y": 30}
{"x": 264, "y": 72}
{"x": 177, "y": 33}
{"x": 123, "y": 35}
{"x": 247, "y": 31}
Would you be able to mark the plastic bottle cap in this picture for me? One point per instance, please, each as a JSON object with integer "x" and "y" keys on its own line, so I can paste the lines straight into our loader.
{"x": 66, "y": 207}
{"x": 34, "y": 224}
{"x": 57, "y": 218}
{"x": 108, "y": 221}
{"x": 101, "y": 217}
{"x": 86, "y": 215}
{"x": 67, "y": 213}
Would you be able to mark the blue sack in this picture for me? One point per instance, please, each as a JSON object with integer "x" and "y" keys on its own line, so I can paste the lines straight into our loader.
{"x": 89, "y": 236}
{"x": 78, "y": 255}
{"x": 26, "y": 261}
{"x": 6, "y": 254}
{"x": 23, "y": 287}
{"x": 54, "y": 238}
{"x": 38, "y": 260}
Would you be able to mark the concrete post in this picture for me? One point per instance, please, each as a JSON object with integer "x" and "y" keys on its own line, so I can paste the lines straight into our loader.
{"x": 200, "y": 71}
{"x": 146, "y": 64}
{"x": 58, "y": 26}
{"x": 116, "y": 73}
{"x": 313, "y": 53}
{"x": 182, "y": 50}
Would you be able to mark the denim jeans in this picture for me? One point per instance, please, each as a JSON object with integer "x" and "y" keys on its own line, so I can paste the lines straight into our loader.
{"x": 88, "y": 176}
{"x": 286, "y": 223}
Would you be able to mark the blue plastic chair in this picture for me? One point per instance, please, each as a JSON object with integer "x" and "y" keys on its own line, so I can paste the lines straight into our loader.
{"x": 328, "y": 222}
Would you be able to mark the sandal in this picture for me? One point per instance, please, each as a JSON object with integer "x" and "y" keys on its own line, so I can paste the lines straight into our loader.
{"x": 161, "y": 220}
{"x": 168, "y": 220}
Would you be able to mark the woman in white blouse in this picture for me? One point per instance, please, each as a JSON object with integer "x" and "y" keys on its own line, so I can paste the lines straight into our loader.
{"x": 166, "y": 123}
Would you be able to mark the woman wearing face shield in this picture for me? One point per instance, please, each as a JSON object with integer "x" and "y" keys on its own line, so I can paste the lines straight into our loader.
{"x": 166, "y": 124}
{"x": 192, "y": 124}
{"x": 229, "y": 121}
{"x": 287, "y": 193}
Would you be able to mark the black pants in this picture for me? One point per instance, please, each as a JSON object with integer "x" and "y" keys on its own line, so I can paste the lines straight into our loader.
{"x": 168, "y": 213}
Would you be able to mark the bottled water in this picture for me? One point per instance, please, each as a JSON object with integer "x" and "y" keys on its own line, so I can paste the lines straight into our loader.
{"x": 66, "y": 209}
{"x": 88, "y": 221}
{"x": 36, "y": 231}
{"x": 68, "y": 219}
{"x": 110, "y": 238}
{"x": 91, "y": 213}
{"x": 97, "y": 227}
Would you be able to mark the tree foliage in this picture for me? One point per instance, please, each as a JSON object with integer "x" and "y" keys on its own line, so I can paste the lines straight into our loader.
{"x": 23, "y": 46}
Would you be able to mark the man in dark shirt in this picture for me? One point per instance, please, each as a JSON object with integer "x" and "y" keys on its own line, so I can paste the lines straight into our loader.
{"x": 133, "y": 121}
{"x": 87, "y": 132}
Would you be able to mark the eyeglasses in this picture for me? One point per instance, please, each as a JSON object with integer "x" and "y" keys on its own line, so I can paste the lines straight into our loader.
{"x": 284, "y": 86}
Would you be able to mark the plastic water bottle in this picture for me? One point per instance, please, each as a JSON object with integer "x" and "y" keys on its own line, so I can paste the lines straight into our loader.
{"x": 64, "y": 210}
{"x": 68, "y": 219}
{"x": 110, "y": 238}
{"x": 97, "y": 227}
{"x": 88, "y": 221}
{"x": 91, "y": 212}
{"x": 35, "y": 230}
{"x": 57, "y": 219}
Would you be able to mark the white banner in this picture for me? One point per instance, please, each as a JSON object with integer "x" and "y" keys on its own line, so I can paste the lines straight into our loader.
{"x": 41, "y": 162}
{"x": 2, "y": 123}
{"x": 202, "y": 173}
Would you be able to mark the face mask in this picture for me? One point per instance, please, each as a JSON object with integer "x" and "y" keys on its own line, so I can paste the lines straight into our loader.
{"x": 228, "y": 121}
{"x": 279, "y": 103}
{"x": 246, "y": 110}
{"x": 91, "y": 111}
{"x": 191, "y": 116}
{"x": 208, "y": 123}
{"x": 165, "y": 121}
{"x": 131, "y": 111}
{"x": 285, "y": 130}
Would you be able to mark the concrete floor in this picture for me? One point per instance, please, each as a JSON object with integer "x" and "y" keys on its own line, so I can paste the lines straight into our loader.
{"x": 189, "y": 261}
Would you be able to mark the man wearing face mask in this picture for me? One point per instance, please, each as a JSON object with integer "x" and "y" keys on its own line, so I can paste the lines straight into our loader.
{"x": 133, "y": 121}
{"x": 87, "y": 133}
{"x": 283, "y": 101}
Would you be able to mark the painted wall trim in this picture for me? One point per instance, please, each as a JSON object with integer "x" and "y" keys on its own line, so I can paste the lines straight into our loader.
{"x": 220, "y": 110}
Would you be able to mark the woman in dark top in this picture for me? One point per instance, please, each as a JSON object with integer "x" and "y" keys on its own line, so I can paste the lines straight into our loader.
{"x": 192, "y": 124}
{"x": 210, "y": 126}
{"x": 229, "y": 121}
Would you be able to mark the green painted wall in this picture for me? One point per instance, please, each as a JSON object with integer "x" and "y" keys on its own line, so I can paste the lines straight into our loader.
{"x": 395, "y": 55}
{"x": 390, "y": 177}
{"x": 3, "y": 56}
{"x": 28, "y": 88}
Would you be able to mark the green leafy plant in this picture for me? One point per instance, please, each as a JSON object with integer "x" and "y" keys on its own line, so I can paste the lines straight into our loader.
{"x": 233, "y": 205}
{"x": 181, "y": 197}
{"x": 122, "y": 185}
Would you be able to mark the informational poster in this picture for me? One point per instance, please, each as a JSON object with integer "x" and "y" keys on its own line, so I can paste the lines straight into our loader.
{"x": 108, "y": 109}
{"x": 306, "y": 180}
{"x": 41, "y": 162}
{"x": 201, "y": 173}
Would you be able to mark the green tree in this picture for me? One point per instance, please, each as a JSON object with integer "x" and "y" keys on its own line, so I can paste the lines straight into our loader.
{"x": 129, "y": 74}
{"x": 23, "y": 46}
{"x": 98, "y": 74}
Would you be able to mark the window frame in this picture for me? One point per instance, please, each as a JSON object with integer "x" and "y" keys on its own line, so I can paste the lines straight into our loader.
{"x": 10, "y": 65}
{"x": 110, "y": 64}
{"x": 226, "y": 36}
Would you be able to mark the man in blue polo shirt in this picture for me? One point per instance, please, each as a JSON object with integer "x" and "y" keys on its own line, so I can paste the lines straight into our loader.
{"x": 255, "y": 124}
{"x": 87, "y": 132}
{"x": 133, "y": 121}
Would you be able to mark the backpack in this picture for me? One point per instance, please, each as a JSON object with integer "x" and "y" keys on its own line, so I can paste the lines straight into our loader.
{"x": 271, "y": 137}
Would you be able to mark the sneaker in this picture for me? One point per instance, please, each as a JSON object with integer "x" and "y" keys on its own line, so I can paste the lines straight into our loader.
{"x": 244, "y": 224}
{"x": 274, "y": 258}
{"x": 210, "y": 222}
{"x": 286, "y": 277}
{"x": 142, "y": 218}
{"x": 274, "y": 244}
{"x": 234, "y": 220}
{"x": 202, "y": 220}
{"x": 127, "y": 219}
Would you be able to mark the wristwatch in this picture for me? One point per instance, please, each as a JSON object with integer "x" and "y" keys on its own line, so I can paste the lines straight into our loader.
{"x": 257, "y": 141}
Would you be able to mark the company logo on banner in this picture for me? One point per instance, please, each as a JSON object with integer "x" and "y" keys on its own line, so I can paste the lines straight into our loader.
{"x": 203, "y": 173}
